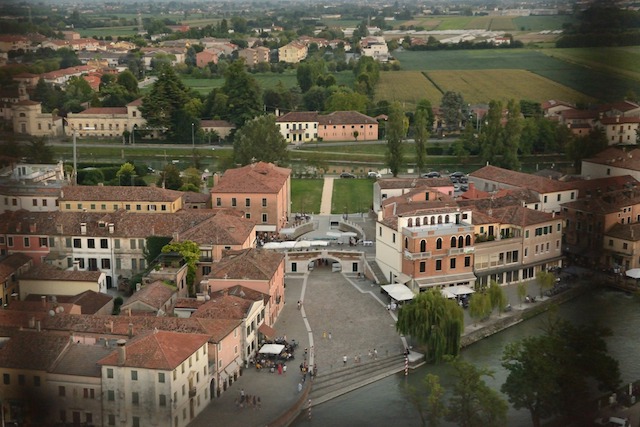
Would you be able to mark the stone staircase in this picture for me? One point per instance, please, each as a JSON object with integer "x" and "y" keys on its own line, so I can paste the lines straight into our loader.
{"x": 341, "y": 381}
{"x": 377, "y": 272}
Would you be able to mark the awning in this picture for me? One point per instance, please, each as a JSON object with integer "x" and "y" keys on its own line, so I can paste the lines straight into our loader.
{"x": 398, "y": 292}
{"x": 271, "y": 349}
{"x": 403, "y": 278}
{"x": 446, "y": 280}
{"x": 634, "y": 273}
{"x": 267, "y": 331}
{"x": 460, "y": 290}
{"x": 447, "y": 294}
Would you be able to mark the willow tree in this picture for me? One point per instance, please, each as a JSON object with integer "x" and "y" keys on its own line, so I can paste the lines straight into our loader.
{"x": 546, "y": 280}
{"x": 497, "y": 296}
{"x": 433, "y": 321}
{"x": 479, "y": 306}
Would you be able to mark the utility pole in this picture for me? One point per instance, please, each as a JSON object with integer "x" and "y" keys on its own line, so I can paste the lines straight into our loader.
{"x": 193, "y": 139}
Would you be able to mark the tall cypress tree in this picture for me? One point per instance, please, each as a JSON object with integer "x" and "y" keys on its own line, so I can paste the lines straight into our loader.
{"x": 395, "y": 135}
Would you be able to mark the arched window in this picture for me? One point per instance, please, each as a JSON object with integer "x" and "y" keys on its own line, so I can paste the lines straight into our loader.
{"x": 453, "y": 241}
{"x": 423, "y": 246}
{"x": 417, "y": 222}
{"x": 406, "y": 243}
{"x": 460, "y": 242}
{"x": 425, "y": 220}
{"x": 467, "y": 240}
{"x": 439, "y": 219}
{"x": 446, "y": 219}
{"x": 433, "y": 220}
{"x": 410, "y": 222}
{"x": 439, "y": 243}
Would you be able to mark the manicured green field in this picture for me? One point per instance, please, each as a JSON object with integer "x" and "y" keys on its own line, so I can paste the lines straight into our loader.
{"x": 351, "y": 195}
{"x": 306, "y": 195}
{"x": 539, "y": 23}
{"x": 405, "y": 86}
{"x": 480, "y": 86}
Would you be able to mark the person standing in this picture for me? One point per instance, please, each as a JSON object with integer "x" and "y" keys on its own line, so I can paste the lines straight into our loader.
{"x": 329, "y": 335}
{"x": 344, "y": 359}
{"x": 375, "y": 354}
{"x": 284, "y": 369}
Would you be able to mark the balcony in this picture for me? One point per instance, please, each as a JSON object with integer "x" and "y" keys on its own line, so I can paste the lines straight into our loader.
{"x": 460, "y": 251}
{"x": 192, "y": 392}
{"x": 418, "y": 255}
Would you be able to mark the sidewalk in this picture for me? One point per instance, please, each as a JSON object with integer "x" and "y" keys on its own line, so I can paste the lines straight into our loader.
{"x": 327, "y": 194}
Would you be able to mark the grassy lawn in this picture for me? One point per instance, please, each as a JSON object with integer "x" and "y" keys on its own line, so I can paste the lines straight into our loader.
{"x": 539, "y": 23}
{"x": 406, "y": 86}
{"x": 352, "y": 195}
{"x": 306, "y": 195}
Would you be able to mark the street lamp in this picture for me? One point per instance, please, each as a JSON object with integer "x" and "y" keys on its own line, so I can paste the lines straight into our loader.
{"x": 193, "y": 139}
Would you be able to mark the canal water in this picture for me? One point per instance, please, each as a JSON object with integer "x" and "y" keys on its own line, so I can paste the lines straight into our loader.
{"x": 383, "y": 404}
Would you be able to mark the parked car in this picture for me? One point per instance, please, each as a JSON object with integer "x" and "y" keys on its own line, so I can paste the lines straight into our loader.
{"x": 457, "y": 175}
{"x": 432, "y": 174}
{"x": 347, "y": 175}
{"x": 613, "y": 422}
{"x": 374, "y": 174}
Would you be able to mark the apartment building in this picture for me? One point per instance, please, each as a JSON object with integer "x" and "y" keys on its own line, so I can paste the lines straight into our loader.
{"x": 292, "y": 52}
{"x": 104, "y": 199}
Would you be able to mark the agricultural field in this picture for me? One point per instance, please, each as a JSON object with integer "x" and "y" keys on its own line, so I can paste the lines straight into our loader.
{"x": 481, "y": 86}
{"x": 624, "y": 61}
{"x": 589, "y": 81}
{"x": 128, "y": 30}
{"x": 406, "y": 86}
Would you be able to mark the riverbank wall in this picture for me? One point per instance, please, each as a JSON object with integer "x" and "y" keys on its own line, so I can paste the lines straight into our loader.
{"x": 517, "y": 315}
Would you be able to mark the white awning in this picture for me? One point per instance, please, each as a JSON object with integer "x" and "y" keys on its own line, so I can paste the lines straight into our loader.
{"x": 460, "y": 290}
{"x": 398, "y": 292}
{"x": 634, "y": 273}
{"x": 403, "y": 278}
{"x": 271, "y": 349}
{"x": 448, "y": 294}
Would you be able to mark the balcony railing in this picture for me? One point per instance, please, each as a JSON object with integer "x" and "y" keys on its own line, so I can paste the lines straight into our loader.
{"x": 417, "y": 255}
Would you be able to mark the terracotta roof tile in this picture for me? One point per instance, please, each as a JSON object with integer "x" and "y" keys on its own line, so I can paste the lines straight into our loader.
{"x": 253, "y": 264}
{"x": 224, "y": 306}
{"x": 49, "y": 272}
{"x": 346, "y": 117}
{"x": 258, "y": 177}
{"x": 155, "y": 295}
{"x": 158, "y": 350}
{"x": 222, "y": 229}
{"x": 630, "y": 232}
{"x": 90, "y": 302}
{"x": 10, "y": 264}
{"x": 82, "y": 360}
{"x": 120, "y": 193}
{"x": 32, "y": 350}
{"x": 519, "y": 179}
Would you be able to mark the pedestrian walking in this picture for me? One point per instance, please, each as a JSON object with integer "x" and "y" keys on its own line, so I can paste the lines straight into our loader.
{"x": 284, "y": 369}
{"x": 299, "y": 304}
{"x": 329, "y": 335}
{"x": 324, "y": 335}
{"x": 375, "y": 353}
{"x": 370, "y": 354}
{"x": 344, "y": 359}
{"x": 299, "y": 387}
{"x": 355, "y": 359}
{"x": 305, "y": 352}
{"x": 359, "y": 357}
{"x": 254, "y": 402}
{"x": 241, "y": 395}
{"x": 259, "y": 403}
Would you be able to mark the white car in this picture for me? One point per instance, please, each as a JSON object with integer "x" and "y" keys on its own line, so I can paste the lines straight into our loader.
{"x": 373, "y": 174}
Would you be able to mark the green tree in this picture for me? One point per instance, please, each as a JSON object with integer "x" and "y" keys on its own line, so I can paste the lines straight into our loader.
{"x": 395, "y": 133}
{"x": 490, "y": 140}
{"x": 425, "y": 105}
{"x": 126, "y": 174}
{"x": 260, "y": 140}
{"x": 554, "y": 373}
{"x": 584, "y": 147}
{"x": 473, "y": 403}
{"x": 522, "y": 291}
{"x": 153, "y": 247}
{"x": 453, "y": 110}
{"x": 433, "y": 321}
{"x": 170, "y": 178}
{"x": 432, "y": 409}
{"x": 315, "y": 99}
{"x": 243, "y": 92}
{"x": 545, "y": 280}
{"x": 190, "y": 251}
{"x": 497, "y": 296}
{"x": 420, "y": 136}
{"x": 479, "y": 306}
{"x": 163, "y": 106}
{"x": 511, "y": 136}
{"x": 38, "y": 151}
{"x": 343, "y": 100}
{"x": 127, "y": 80}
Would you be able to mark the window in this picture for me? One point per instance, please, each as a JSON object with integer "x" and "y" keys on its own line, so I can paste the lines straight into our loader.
{"x": 112, "y": 420}
{"x": 10, "y": 241}
{"x": 116, "y": 244}
{"x": 104, "y": 243}
{"x": 439, "y": 243}
{"x": 545, "y": 199}
{"x": 27, "y": 243}
{"x": 138, "y": 207}
{"x": 62, "y": 391}
{"x": 134, "y": 375}
{"x": 452, "y": 263}
{"x": 559, "y": 197}
{"x": 43, "y": 242}
{"x": 133, "y": 243}
{"x": 77, "y": 243}
{"x": 91, "y": 243}
{"x": 610, "y": 242}
{"x": 423, "y": 245}
{"x": 6, "y": 379}
{"x": 161, "y": 377}
{"x": 89, "y": 393}
{"x": 423, "y": 266}
{"x": 162, "y": 400}
{"x": 135, "y": 421}
{"x": 453, "y": 241}
{"x": 264, "y": 217}
{"x": 109, "y": 372}
{"x": 135, "y": 399}
{"x": 247, "y": 202}
{"x": 234, "y": 202}
{"x": 467, "y": 261}
{"x": 111, "y": 395}
{"x": 264, "y": 202}
{"x": 35, "y": 202}
{"x": 218, "y": 201}
{"x": 21, "y": 379}
{"x": 127, "y": 207}
{"x": 438, "y": 265}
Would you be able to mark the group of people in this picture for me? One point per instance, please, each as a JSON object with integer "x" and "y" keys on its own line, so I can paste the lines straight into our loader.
{"x": 248, "y": 401}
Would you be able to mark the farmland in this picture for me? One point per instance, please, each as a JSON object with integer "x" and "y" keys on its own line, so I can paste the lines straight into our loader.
{"x": 593, "y": 82}
{"x": 405, "y": 86}
{"x": 480, "y": 86}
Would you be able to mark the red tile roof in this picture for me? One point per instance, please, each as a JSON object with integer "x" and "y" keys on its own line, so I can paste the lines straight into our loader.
{"x": 103, "y": 110}
{"x": 519, "y": 179}
{"x": 48, "y": 272}
{"x": 252, "y": 264}
{"x": 32, "y": 350}
{"x": 260, "y": 178}
{"x": 155, "y": 295}
{"x": 222, "y": 229}
{"x": 298, "y": 116}
{"x": 161, "y": 350}
{"x": 12, "y": 263}
{"x": 79, "y": 193}
{"x": 346, "y": 118}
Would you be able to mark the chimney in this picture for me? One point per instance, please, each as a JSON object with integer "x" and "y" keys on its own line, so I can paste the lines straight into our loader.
{"x": 111, "y": 229}
{"x": 130, "y": 331}
{"x": 83, "y": 228}
{"x": 216, "y": 179}
{"x": 59, "y": 228}
{"x": 122, "y": 352}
